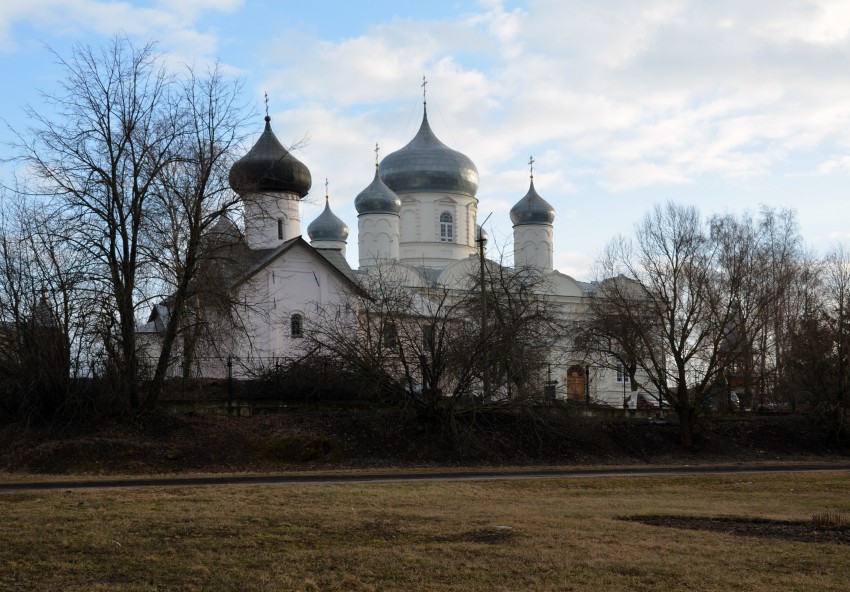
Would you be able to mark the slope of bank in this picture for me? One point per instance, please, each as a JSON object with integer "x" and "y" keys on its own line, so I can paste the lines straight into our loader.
{"x": 303, "y": 438}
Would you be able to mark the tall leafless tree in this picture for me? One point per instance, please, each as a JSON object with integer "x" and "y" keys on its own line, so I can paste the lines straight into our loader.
{"x": 672, "y": 305}
{"x": 760, "y": 260}
{"x": 98, "y": 149}
{"x": 133, "y": 160}
{"x": 190, "y": 203}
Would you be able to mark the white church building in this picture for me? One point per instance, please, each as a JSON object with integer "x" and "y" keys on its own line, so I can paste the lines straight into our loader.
{"x": 418, "y": 215}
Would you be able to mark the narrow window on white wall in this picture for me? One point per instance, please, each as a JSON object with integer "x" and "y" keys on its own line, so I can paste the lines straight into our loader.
{"x": 390, "y": 335}
{"x": 280, "y": 229}
{"x": 447, "y": 230}
{"x": 296, "y": 326}
{"x": 621, "y": 376}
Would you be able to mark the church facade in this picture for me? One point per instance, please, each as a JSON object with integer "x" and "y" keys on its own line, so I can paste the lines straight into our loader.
{"x": 418, "y": 216}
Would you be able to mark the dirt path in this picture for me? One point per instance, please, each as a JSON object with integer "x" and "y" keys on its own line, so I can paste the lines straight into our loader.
{"x": 387, "y": 477}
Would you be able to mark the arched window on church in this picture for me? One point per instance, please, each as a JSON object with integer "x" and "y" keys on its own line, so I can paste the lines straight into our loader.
{"x": 296, "y": 326}
{"x": 447, "y": 230}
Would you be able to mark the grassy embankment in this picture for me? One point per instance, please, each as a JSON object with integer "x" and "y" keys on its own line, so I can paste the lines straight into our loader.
{"x": 564, "y": 535}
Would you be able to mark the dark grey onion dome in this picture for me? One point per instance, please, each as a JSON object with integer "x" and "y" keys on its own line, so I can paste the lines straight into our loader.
{"x": 377, "y": 198}
{"x": 481, "y": 234}
{"x": 532, "y": 209}
{"x": 268, "y": 166}
{"x": 426, "y": 164}
{"x": 327, "y": 227}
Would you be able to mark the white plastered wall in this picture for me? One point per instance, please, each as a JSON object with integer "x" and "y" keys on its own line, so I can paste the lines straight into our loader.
{"x": 377, "y": 238}
{"x": 268, "y": 216}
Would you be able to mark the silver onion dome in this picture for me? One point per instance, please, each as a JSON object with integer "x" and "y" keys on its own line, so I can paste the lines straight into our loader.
{"x": 532, "y": 209}
{"x": 268, "y": 166}
{"x": 377, "y": 198}
{"x": 327, "y": 227}
{"x": 426, "y": 164}
{"x": 481, "y": 234}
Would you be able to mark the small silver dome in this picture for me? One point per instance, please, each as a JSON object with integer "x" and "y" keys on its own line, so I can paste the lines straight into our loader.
{"x": 327, "y": 227}
{"x": 426, "y": 164}
{"x": 268, "y": 166}
{"x": 480, "y": 234}
{"x": 532, "y": 209}
{"x": 377, "y": 198}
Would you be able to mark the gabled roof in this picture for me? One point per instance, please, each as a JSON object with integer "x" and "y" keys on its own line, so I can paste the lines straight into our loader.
{"x": 242, "y": 264}
{"x": 265, "y": 257}
{"x": 335, "y": 258}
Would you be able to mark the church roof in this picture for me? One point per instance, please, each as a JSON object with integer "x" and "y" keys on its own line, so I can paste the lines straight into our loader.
{"x": 265, "y": 257}
{"x": 532, "y": 209}
{"x": 377, "y": 198}
{"x": 335, "y": 258}
{"x": 235, "y": 264}
{"x": 268, "y": 166}
{"x": 425, "y": 164}
{"x": 327, "y": 226}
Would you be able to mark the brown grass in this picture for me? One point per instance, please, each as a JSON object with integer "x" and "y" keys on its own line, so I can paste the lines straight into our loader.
{"x": 830, "y": 519}
{"x": 562, "y": 535}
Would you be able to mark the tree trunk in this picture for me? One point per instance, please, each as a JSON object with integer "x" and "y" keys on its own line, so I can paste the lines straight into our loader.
{"x": 687, "y": 423}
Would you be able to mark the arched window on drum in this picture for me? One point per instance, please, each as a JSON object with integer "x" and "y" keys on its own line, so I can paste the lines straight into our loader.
{"x": 447, "y": 228}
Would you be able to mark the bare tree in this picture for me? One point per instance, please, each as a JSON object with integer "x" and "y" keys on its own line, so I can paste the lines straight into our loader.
{"x": 837, "y": 284}
{"x": 816, "y": 350}
{"x": 399, "y": 339}
{"x": 697, "y": 308}
{"x": 45, "y": 322}
{"x": 673, "y": 307}
{"x": 522, "y": 327}
{"x": 188, "y": 210}
{"x": 98, "y": 150}
{"x": 134, "y": 161}
{"x": 427, "y": 341}
{"x": 759, "y": 261}
{"x": 608, "y": 337}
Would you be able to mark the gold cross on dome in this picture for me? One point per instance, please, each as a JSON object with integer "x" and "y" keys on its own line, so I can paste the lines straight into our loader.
{"x": 424, "y": 89}
{"x": 531, "y": 166}
{"x": 377, "y": 149}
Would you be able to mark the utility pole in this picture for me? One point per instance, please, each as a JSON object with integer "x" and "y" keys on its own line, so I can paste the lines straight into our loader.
{"x": 485, "y": 369}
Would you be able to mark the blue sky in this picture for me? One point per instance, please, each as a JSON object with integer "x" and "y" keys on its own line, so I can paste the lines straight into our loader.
{"x": 722, "y": 104}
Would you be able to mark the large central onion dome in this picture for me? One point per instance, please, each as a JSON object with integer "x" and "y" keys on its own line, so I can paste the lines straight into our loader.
{"x": 327, "y": 227}
{"x": 268, "y": 166}
{"x": 426, "y": 165}
{"x": 532, "y": 209}
{"x": 377, "y": 198}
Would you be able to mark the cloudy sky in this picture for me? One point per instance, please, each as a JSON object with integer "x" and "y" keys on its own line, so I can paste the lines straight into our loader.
{"x": 726, "y": 105}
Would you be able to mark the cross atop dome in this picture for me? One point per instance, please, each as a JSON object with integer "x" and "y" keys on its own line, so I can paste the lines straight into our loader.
{"x": 424, "y": 86}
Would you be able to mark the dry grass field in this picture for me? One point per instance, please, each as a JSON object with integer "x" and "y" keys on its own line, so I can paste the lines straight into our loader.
{"x": 486, "y": 535}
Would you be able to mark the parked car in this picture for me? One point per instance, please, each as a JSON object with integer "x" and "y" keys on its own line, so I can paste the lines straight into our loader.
{"x": 647, "y": 401}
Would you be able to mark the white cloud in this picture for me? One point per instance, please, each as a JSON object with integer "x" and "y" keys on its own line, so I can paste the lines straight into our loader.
{"x": 172, "y": 23}
{"x": 609, "y": 96}
{"x": 840, "y": 164}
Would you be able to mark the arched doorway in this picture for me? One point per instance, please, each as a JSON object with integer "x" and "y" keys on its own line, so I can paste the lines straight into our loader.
{"x": 576, "y": 383}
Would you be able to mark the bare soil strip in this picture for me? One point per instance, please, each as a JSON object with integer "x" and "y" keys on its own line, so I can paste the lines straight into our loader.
{"x": 326, "y": 478}
{"x": 803, "y": 531}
